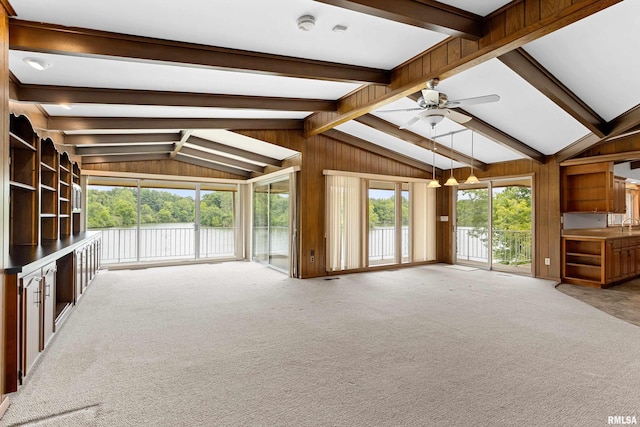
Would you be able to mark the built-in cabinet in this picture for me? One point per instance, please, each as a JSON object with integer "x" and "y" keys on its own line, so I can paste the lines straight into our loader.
{"x": 44, "y": 277}
{"x": 600, "y": 261}
{"x": 42, "y": 185}
{"x": 592, "y": 188}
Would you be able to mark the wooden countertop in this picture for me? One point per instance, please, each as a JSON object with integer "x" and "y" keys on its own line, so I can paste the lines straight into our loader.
{"x": 27, "y": 258}
{"x": 602, "y": 233}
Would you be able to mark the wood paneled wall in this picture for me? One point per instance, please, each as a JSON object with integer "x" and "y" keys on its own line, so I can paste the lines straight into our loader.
{"x": 319, "y": 153}
{"x": 161, "y": 167}
{"x": 621, "y": 145}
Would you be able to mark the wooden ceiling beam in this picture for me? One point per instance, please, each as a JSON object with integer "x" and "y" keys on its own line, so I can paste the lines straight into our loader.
{"x": 124, "y": 149}
{"x": 207, "y": 164}
{"x": 622, "y": 156}
{"x": 376, "y": 149}
{"x": 624, "y": 122}
{"x": 513, "y": 26}
{"x": 124, "y": 158}
{"x": 624, "y": 125}
{"x": 432, "y": 16}
{"x": 120, "y": 139}
{"x": 536, "y": 75}
{"x": 64, "y": 123}
{"x": 221, "y": 159}
{"x": 577, "y": 147}
{"x": 228, "y": 149}
{"x": 56, "y": 39}
{"x": 418, "y": 140}
{"x": 82, "y": 95}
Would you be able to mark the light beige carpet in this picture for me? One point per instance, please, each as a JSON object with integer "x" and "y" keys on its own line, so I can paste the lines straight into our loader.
{"x": 239, "y": 344}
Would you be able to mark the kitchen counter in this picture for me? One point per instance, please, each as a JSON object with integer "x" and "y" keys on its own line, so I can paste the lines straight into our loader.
{"x": 600, "y": 257}
{"x": 602, "y": 233}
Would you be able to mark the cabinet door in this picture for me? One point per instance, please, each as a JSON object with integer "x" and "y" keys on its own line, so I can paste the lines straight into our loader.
{"x": 620, "y": 196}
{"x": 30, "y": 330}
{"x": 77, "y": 266}
{"x": 85, "y": 267}
{"x": 617, "y": 264}
{"x": 49, "y": 298}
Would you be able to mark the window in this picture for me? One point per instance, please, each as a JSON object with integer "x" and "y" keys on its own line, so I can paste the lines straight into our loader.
{"x": 396, "y": 216}
{"x": 145, "y": 220}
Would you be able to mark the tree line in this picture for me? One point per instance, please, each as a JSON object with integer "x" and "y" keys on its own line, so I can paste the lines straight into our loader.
{"x": 118, "y": 207}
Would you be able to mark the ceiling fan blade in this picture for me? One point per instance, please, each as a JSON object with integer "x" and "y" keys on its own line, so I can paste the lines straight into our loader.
{"x": 400, "y": 109}
{"x": 474, "y": 101}
{"x": 457, "y": 117}
{"x": 411, "y": 121}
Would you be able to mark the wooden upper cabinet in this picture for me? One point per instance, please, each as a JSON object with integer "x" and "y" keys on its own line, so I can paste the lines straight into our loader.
{"x": 619, "y": 195}
{"x": 592, "y": 188}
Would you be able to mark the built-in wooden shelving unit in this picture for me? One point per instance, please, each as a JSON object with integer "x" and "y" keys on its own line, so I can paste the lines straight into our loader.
{"x": 42, "y": 187}
{"x": 51, "y": 260}
{"x": 23, "y": 183}
{"x": 584, "y": 262}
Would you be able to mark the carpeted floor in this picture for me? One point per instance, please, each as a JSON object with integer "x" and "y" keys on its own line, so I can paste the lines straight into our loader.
{"x": 239, "y": 344}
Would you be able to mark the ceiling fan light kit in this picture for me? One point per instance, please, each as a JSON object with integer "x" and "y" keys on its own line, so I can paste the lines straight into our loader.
{"x": 433, "y": 106}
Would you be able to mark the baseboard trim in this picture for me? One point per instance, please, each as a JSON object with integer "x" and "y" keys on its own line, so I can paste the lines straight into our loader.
{"x": 4, "y": 405}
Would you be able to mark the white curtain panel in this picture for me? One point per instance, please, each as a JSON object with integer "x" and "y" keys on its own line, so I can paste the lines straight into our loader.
{"x": 344, "y": 219}
{"x": 423, "y": 215}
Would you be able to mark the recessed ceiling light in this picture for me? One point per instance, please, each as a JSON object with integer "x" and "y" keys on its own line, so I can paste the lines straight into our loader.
{"x": 37, "y": 64}
{"x": 306, "y": 22}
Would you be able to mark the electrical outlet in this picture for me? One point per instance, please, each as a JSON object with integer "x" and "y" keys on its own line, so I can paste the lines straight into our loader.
{"x": 313, "y": 255}
{"x": 547, "y": 261}
{"x": 313, "y": 259}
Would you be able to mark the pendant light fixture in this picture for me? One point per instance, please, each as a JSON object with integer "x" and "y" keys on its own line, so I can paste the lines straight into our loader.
{"x": 472, "y": 178}
{"x": 434, "y": 183}
{"x": 451, "y": 182}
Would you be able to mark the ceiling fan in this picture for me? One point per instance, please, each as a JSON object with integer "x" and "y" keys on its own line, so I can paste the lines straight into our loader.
{"x": 435, "y": 106}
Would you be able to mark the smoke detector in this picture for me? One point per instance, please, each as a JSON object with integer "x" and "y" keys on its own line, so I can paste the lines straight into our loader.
{"x": 306, "y": 22}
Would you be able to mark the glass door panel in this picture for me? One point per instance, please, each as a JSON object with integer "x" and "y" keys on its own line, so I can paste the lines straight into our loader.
{"x": 167, "y": 223}
{"x": 113, "y": 209}
{"x": 512, "y": 227}
{"x": 217, "y": 223}
{"x": 472, "y": 225}
{"x": 271, "y": 224}
{"x": 405, "y": 237}
{"x": 279, "y": 225}
{"x": 261, "y": 223}
{"x": 382, "y": 223}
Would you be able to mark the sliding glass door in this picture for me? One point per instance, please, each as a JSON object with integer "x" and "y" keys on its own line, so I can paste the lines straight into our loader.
{"x": 144, "y": 220}
{"x": 472, "y": 235}
{"x": 271, "y": 224}
{"x": 494, "y": 225}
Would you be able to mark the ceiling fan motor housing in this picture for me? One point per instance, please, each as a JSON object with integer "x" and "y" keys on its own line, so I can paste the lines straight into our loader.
{"x": 430, "y": 97}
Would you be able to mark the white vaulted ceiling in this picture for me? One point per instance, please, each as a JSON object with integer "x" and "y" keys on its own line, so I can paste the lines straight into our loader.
{"x": 593, "y": 58}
